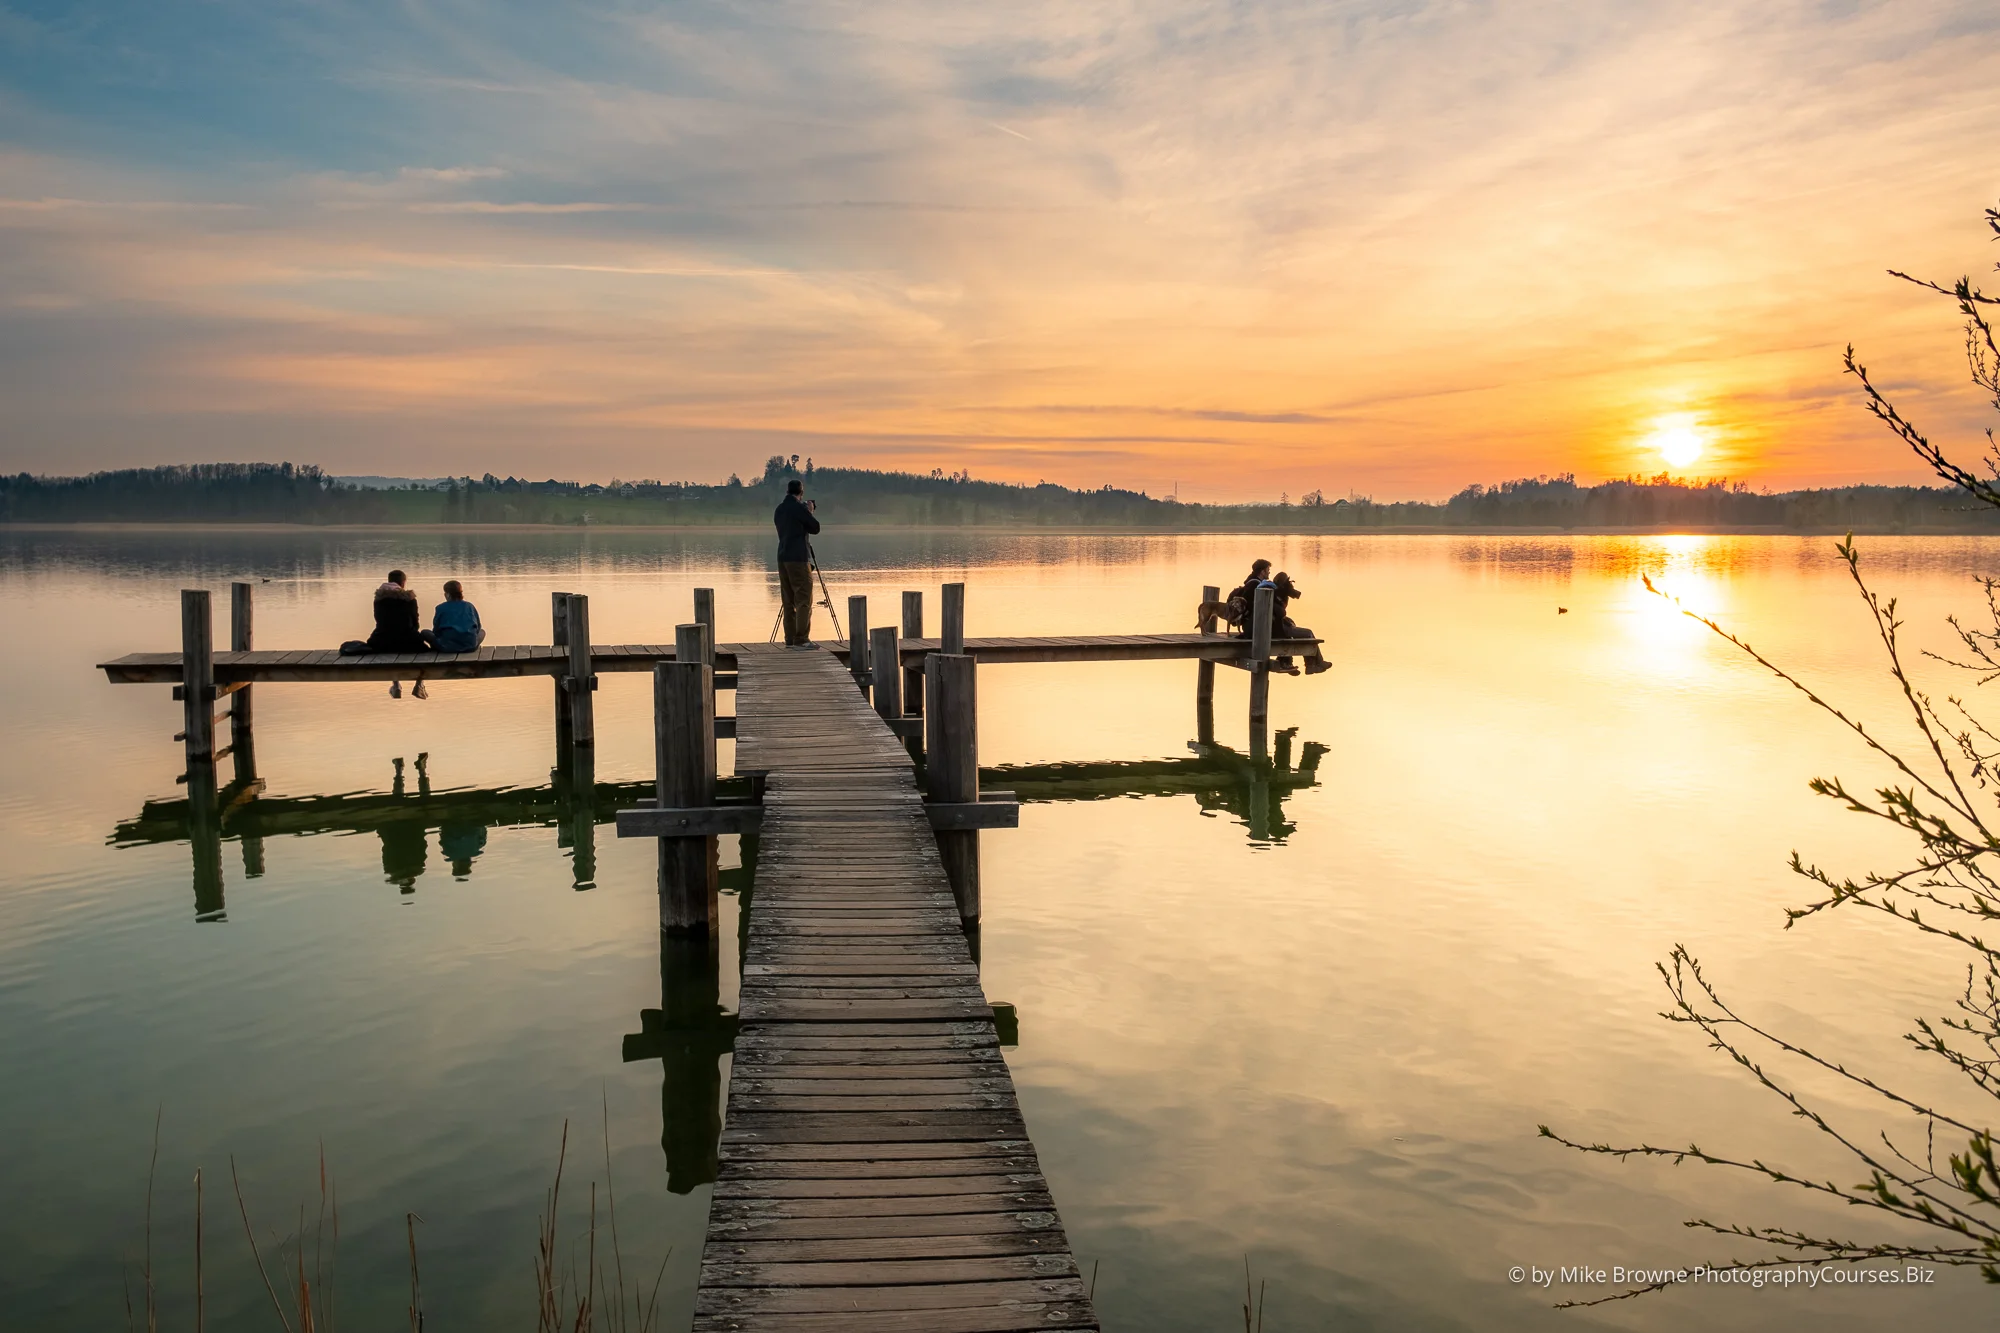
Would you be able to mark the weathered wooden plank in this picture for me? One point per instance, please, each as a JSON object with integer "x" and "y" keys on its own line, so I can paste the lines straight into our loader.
{"x": 1039, "y": 1222}
{"x": 875, "y": 1127}
{"x": 885, "y": 1205}
{"x": 878, "y": 1249}
{"x": 882, "y": 1152}
{"x": 878, "y": 1273}
{"x": 889, "y": 1301}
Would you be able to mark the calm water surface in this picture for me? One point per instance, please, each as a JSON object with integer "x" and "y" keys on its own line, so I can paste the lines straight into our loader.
{"x": 1314, "y": 1031}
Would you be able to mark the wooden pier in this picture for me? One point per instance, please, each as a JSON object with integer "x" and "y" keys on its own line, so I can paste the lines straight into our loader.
{"x": 873, "y": 1169}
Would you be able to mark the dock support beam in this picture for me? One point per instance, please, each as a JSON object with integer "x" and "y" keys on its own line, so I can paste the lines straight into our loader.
{"x": 242, "y": 633}
{"x": 684, "y": 763}
{"x": 1204, "y": 677}
{"x": 559, "y": 636}
{"x": 953, "y": 641}
{"x": 1260, "y": 675}
{"x": 857, "y": 640}
{"x": 913, "y": 677}
{"x": 197, "y": 678}
{"x": 704, "y": 614}
{"x": 885, "y": 649}
{"x": 951, "y": 726}
{"x": 579, "y": 683}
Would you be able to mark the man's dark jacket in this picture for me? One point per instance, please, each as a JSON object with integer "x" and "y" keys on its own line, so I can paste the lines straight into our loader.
{"x": 795, "y": 523}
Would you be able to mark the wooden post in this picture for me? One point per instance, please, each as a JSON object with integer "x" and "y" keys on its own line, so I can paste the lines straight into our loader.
{"x": 559, "y": 636}
{"x": 887, "y": 675}
{"x": 1260, "y": 661}
{"x": 951, "y": 725}
{"x": 580, "y": 682}
{"x": 857, "y": 640}
{"x": 913, "y": 677}
{"x": 684, "y": 767}
{"x": 689, "y": 1034}
{"x": 583, "y": 817}
{"x": 242, "y": 747}
{"x": 205, "y": 840}
{"x": 704, "y": 614}
{"x": 954, "y": 619}
{"x": 1205, "y": 673}
{"x": 197, "y": 678}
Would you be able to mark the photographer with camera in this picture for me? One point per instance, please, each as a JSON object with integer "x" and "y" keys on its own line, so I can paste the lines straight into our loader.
{"x": 796, "y": 523}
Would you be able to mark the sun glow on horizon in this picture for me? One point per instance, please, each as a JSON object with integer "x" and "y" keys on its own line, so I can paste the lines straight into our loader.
{"x": 1679, "y": 439}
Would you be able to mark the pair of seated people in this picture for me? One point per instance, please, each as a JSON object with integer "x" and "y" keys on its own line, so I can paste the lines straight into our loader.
{"x": 1283, "y": 593}
{"x": 455, "y": 626}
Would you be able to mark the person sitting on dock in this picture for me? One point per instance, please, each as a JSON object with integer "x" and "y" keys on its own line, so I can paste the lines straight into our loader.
{"x": 1243, "y": 600}
{"x": 795, "y": 522}
{"x": 1283, "y": 593}
{"x": 396, "y": 629}
{"x": 455, "y": 626}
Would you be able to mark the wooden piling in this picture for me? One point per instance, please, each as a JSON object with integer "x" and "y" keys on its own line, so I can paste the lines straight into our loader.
{"x": 1204, "y": 677}
{"x": 580, "y": 682}
{"x": 885, "y": 652}
{"x": 197, "y": 678}
{"x": 951, "y": 740}
{"x": 1260, "y": 659}
{"x": 559, "y": 636}
{"x": 205, "y": 840}
{"x": 582, "y": 814}
{"x": 953, "y": 641}
{"x": 857, "y": 640}
{"x": 913, "y": 677}
{"x": 242, "y": 633}
{"x": 684, "y": 767}
{"x": 704, "y": 614}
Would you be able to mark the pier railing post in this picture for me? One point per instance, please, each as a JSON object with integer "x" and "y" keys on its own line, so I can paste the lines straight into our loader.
{"x": 1204, "y": 677}
{"x": 197, "y": 678}
{"x": 954, "y": 619}
{"x": 1260, "y": 674}
{"x": 951, "y": 726}
{"x": 913, "y": 677}
{"x": 580, "y": 681}
{"x": 559, "y": 636}
{"x": 205, "y": 841}
{"x": 583, "y": 817}
{"x": 684, "y": 765}
{"x": 704, "y": 614}
{"x": 857, "y": 640}
{"x": 242, "y": 744}
{"x": 885, "y": 652}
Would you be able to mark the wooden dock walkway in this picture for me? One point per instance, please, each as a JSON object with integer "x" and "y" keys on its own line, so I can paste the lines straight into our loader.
{"x": 875, "y": 1171}
{"x": 322, "y": 665}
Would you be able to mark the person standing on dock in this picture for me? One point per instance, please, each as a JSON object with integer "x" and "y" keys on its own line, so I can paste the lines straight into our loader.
{"x": 796, "y": 523}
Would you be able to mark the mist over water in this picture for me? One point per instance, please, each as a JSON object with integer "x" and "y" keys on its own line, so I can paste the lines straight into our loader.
{"x": 1317, "y": 1028}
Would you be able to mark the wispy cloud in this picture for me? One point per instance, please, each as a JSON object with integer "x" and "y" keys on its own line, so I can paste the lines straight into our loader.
{"x": 1303, "y": 244}
{"x": 490, "y": 206}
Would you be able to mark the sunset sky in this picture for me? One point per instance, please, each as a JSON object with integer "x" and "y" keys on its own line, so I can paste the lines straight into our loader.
{"x": 1246, "y": 249}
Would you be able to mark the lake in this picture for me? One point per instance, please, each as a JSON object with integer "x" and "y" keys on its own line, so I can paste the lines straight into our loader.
{"x": 1311, "y": 1028}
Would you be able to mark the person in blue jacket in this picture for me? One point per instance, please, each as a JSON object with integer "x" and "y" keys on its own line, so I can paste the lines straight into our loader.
{"x": 455, "y": 626}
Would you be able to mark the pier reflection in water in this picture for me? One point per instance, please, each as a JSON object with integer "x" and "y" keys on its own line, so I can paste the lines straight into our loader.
{"x": 691, "y": 1030}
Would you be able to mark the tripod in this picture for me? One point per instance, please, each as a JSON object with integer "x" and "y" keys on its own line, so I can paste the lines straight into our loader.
{"x": 825, "y": 600}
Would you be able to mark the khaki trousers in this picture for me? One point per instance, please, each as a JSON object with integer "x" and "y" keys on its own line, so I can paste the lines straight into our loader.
{"x": 795, "y": 596}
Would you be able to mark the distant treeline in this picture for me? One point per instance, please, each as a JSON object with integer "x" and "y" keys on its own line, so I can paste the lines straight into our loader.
{"x": 285, "y": 493}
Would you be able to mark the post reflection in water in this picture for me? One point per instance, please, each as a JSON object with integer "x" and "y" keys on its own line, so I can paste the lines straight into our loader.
{"x": 1221, "y": 780}
{"x": 688, "y": 1034}
{"x": 691, "y": 1031}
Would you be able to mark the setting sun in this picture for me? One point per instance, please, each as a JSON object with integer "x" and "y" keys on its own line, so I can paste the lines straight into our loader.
{"x": 1679, "y": 440}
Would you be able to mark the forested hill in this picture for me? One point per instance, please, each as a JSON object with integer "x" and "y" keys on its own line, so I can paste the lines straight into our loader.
{"x": 285, "y": 493}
